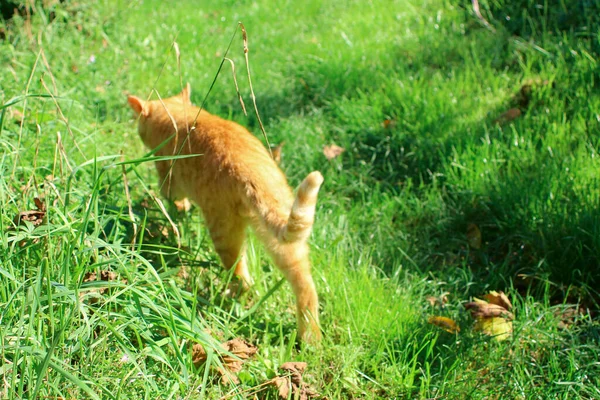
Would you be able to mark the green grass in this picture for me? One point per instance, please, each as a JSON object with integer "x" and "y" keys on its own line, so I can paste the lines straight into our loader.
{"x": 411, "y": 89}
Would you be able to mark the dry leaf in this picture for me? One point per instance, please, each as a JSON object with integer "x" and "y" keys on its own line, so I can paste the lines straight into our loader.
{"x": 276, "y": 152}
{"x": 445, "y": 323}
{"x": 568, "y": 314}
{"x": 39, "y": 204}
{"x": 241, "y": 351}
{"x": 36, "y": 217}
{"x": 291, "y": 379}
{"x": 283, "y": 386}
{"x": 498, "y": 298}
{"x": 432, "y": 300}
{"x": 474, "y": 236}
{"x": 493, "y": 318}
{"x": 438, "y": 301}
{"x": 508, "y": 116}
{"x": 481, "y": 310}
{"x": 332, "y": 151}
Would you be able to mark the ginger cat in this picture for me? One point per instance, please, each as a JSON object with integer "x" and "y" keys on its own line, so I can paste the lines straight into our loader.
{"x": 236, "y": 183}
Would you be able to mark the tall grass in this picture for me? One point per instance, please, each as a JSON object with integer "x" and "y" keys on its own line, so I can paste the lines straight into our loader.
{"x": 103, "y": 297}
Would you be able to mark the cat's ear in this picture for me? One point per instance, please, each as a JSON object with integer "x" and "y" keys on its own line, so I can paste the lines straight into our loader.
{"x": 186, "y": 93}
{"x": 138, "y": 105}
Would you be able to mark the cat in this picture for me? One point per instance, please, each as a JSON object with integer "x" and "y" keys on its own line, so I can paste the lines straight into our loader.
{"x": 236, "y": 183}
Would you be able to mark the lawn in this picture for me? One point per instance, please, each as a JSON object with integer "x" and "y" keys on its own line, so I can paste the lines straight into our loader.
{"x": 470, "y": 165}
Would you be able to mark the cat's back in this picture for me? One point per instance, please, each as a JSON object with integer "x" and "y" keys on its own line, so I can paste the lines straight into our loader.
{"x": 231, "y": 153}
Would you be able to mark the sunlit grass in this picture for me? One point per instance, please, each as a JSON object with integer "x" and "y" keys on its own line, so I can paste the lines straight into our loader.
{"x": 412, "y": 91}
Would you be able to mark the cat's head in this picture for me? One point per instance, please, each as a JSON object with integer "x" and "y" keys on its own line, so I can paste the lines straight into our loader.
{"x": 150, "y": 112}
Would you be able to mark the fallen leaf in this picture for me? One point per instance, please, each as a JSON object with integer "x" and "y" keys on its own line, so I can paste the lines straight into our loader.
{"x": 283, "y": 386}
{"x": 445, "y": 323}
{"x": 497, "y": 327}
{"x": 481, "y": 310}
{"x": 290, "y": 379}
{"x": 40, "y": 205}
{"x": 509, "y": 115}
{"x": 332, "y": 151}
{"x": 239, "y": 350}
{"x": 492, "y": 317}
{"x": 567, "y": 314}
{"x": 36, "y": 217}
{"x": 276, "y": 152}
{"x": 438, "y": 301}
{"x": 498, "y": 298}
{"x": 474, "y": 236}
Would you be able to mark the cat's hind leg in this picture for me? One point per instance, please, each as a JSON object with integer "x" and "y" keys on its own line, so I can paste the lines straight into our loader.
{"x": 293, "y": 260}
{"x": 229, "y": 238}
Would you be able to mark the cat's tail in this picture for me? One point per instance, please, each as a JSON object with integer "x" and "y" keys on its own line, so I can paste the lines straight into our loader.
{"x": 302, "y": 215}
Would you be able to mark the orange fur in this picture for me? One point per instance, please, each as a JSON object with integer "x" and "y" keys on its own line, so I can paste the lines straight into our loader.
{"x": 236, "y": 183}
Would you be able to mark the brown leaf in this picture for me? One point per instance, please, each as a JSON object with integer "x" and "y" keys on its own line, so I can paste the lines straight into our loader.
{"x": 241, "y": 349}
{"x": 198, "y": 355}
{"x": 498, "y": 298}
{"x": 432, "y": 300}
{"x": 445, "y": 323}
{"x": 291, "y": 379}
{"x": 435, "y": 301}
{"x": 39, "y": 204}
{"x": 36, "y": 217}
{"x": 480, "y": 310}
{"x": 276, "y": 151}
{"x": 509, "y": 115}
{"x": 295, "y": 371}
{"x": 332, "y": 151}
{"x": 493, "y": 318}
{"x": 474, "y": 236}
{"x": 232, "y": 363}
{"x": 283, "y": 386}
{"x": 568, "y": 314}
